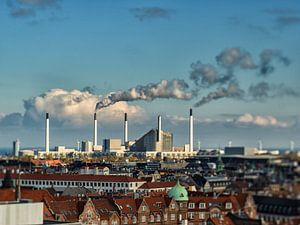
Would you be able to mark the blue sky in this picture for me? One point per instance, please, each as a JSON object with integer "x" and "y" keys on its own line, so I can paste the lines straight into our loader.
{"x": 117, "y": 45}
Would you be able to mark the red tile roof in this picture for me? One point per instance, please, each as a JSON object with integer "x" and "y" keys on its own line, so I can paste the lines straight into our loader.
{"x": 33, "y": 195}
{"x": 127, "y": 205}
{"x": 69, "y": 210}
{"x": 153, "y": 185}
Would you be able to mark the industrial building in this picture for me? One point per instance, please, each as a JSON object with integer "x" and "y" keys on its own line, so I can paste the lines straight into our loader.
{"x": 150, "y": 142}
{"x": 159, "y": 143}
{"x": 240, "y": 151}
{"x": 155, "y": 143}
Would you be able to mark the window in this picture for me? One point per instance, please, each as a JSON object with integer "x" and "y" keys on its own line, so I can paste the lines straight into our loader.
{"x": 180, "y": 217}
{"x": 228, "y": 205}
{"x": 104, "y": 222}
{"x": 202, "y": 215}
{"x": 125, "y": 220}
{"x": 215, "y": 215}
{"x": 151, "y": 218}
{"x": 143, "y": 219}
{"x": 173, "y": 216}
{"x": 202, "y": 205}
{"x": 143, "y": 208}
{"x": 158, "y": 218}
{"x": 114, "y": 222}
{"x": 191, "y": 205}
{"x": 134, "y": 219}
{"x": 166, "y": 217}
{"x": 172, "y": 206}
{"x": 191, "y": 215}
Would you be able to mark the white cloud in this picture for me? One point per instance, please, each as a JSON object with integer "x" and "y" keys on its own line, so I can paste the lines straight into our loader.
{"x": 244, "y": 120}
{"x": 75, "y": 108}
{"x": 258, "y": 120}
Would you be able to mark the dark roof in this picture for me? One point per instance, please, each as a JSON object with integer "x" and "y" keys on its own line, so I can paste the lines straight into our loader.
{"x": 279, "y": 206}
{"x": 236, "y": 219}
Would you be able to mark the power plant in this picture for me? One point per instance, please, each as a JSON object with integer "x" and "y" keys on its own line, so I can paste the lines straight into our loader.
{"x": 154, "y": 143}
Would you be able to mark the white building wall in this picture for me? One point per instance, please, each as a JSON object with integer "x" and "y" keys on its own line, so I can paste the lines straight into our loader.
{"x": 21, "y": 213}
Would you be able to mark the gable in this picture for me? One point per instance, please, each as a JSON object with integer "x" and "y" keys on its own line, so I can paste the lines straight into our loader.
{"x": 89, "y": 213}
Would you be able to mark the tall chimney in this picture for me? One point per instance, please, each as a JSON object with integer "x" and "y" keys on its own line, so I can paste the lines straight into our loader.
{"x": 47, "y": 133}
{"x": 95, "y": 130}
{"x": 125, "y": 130}
{"x": 191, "y": 131}
{"x": 158, "y": 128}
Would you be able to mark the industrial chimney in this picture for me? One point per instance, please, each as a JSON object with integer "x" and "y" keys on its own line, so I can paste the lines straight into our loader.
{"x": 125, "y": 131}
{"x": 191, "y": 133}
{"x": 158, "y": 128}
{"x": 47, "y": 133}
{"x": 95, "y": 130}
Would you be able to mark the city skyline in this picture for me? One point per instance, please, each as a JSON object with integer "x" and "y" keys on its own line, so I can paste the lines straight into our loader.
{"x": 238, "y": 70}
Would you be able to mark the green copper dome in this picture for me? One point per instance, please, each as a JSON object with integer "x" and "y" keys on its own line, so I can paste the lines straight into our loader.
{"x": 179, "y": 193}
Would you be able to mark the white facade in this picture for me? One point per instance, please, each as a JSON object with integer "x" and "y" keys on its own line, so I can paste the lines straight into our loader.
{"x": 104, "y": 183}
{"x": 21, "y": 213}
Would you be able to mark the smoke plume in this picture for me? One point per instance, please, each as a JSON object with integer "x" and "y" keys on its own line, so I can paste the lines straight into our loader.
{"x": 175, "y": 89}
{"x": 235, "y": 57}
{"x": 264, "y": 90}
{"x": 206, "y": 75}
{"x": 221, "y": 80}
{"x": 232, "y": 91}
{"x": 267, "y": 57}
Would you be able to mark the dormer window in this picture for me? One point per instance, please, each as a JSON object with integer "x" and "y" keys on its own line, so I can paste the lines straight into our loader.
{"x": 191, "y": 205}
{"x": 143, "y": 208}
{"x": 228, "y": 205}
{"x": 202, "y": 205}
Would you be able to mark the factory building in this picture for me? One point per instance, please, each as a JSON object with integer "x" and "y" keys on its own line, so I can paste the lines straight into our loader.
{"x": 240, "y": 151}
{"x": 87, "y": 146}
{"x": 150, "y": 142}
{"x": 113, "y": 147}
{"x": 158, "y": 143}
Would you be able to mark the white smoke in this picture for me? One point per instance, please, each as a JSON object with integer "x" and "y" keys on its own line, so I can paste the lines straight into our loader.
{"x": 175, "y": 89}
